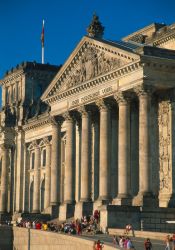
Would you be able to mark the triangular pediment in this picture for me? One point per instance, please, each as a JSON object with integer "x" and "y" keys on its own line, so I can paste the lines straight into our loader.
{"x": 90, "y": 59}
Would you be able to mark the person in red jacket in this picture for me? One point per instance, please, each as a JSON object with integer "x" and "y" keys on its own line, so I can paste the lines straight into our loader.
{"x": 99, "y": 245}
{"x": 148, "y": 244}
{"x": 38, "y": 225}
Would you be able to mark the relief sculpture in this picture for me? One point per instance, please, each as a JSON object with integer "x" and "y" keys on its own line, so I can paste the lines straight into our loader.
{"x": 92, "y": 63}
{"x": 164, "y": 147}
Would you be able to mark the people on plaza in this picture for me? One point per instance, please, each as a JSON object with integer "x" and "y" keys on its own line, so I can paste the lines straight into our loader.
{"x": 129, "y": 229}
{"x": 167, "y": 242}
{"x": 99, "y": 245}
{"x": 129, "y": 244}
{"x": 148, "y": 244}
{"x": 173, "y": 241}
{"x": 115, "y": 240}
{"x": 121, "y": 241}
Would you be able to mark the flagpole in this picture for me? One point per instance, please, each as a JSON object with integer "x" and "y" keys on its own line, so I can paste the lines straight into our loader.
{"x": 42, "y": 41}
{"x": 42, "y": 54}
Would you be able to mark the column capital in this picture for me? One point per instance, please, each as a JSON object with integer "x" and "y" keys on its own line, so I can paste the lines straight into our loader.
{"x": 142, "y": 90}
{"x": 5, "y": 146}
{"x": 122, "y": 98}
{"x": 102, "y": 105}
{"x": 67, "y": 116}
{"x": 84, "y": 111}
{"x": 56, "y": 120}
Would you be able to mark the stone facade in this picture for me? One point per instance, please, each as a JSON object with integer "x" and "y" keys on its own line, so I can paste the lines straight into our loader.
{"x": 97, "y": 131}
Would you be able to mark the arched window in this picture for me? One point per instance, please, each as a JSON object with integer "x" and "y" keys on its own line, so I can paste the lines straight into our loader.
{"x": 44, "y": 158}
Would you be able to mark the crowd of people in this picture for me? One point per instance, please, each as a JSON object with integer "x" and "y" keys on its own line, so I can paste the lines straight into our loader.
{"x": 170, "y": 242}
{"x": 84, "y": 225}
{"x": 123, "y": 242}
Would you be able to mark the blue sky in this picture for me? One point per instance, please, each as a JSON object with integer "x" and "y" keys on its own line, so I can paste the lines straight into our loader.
{"x": 66, "y": 23}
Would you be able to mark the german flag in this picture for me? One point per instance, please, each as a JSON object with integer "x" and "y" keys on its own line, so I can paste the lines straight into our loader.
{"x": 42, "y": 35}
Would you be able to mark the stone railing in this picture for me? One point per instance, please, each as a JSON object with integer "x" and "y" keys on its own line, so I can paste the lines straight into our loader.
{"x": 42, "y": 240}
{"x": 140, "y": 234}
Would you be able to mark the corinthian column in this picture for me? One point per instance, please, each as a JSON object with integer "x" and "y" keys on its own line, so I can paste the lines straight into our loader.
{"x": 145, "y": 189}
{"x": 69, "y": 185}
{"x": 104, "y": 167}
{"x": 48, "y": 174}
{"x": 55, "y": 162}
{"x": 4, "y": 175}
{"x": 123, "y": 149}
{"x": 144, "y": 154}
{"x": 85, "y": 156}
{"x": 36, "y": 188}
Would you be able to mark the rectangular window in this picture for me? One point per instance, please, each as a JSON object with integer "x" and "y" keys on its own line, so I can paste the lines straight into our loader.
{"x": 33, "y": 160}
{"x": 44, "y": 157}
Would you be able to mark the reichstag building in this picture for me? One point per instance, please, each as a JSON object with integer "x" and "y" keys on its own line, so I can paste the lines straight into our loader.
{"x": 97, "y": 132}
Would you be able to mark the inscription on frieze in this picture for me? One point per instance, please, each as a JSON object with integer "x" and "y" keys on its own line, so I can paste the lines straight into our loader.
{"x": 91, "y": 96}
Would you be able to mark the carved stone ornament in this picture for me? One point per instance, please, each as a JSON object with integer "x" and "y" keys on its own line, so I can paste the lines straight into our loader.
{"x": 55, "y": 121}
{"x": 95, "y": 29}
{"x": 92, "y": 63}
{"x": 83, "y": 111}
{"x": 67, "y": 116}
{"x": 102, "y": 105}
{"x": 121, "y": 97}
{"x": 142, "y": 90}
{"x": 164, "y": 146}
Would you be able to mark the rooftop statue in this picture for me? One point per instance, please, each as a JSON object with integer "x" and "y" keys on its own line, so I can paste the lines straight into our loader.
{"x": 95, "y": 29}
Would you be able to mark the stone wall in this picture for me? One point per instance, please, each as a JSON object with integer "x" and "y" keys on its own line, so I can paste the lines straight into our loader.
{"x": 147, "y": 219}
{"x": 42, "y": 240}
{"x": 6, "y": 238}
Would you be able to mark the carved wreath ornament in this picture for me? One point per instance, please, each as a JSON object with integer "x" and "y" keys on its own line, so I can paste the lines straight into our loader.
{"x": 92, "y": 63}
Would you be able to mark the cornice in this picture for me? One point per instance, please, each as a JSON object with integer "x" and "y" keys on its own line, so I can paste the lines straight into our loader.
{"x": 117, "y": 73}
{"x": 163, "y": 39}
{"x": 165, "y": 64}
{"x": 34, "y": 124}
{"x": 12, "y": 77}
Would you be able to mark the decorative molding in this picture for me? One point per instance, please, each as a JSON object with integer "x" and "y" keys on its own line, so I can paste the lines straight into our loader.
{"x": 164, "y": 146}
{"x": 36, "y": 123}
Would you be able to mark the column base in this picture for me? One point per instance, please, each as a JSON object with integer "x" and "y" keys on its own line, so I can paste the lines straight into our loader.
{"x": 100, "y": 202}
{"x": 53, "y": 210}
{"x": 166, "y": 200}
{"x": 145, "y": 199}
{"x": 83, "y": 208}
{"x": 35, "y": 212}
{"x": 4, "y": 217}
{"x": 54, "y": 203}
{"x": 122, "y": 199}
{"x": 66, "y": 211}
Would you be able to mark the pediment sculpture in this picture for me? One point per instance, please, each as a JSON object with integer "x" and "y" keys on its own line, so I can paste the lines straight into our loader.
{"x": 92, "y": 63}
